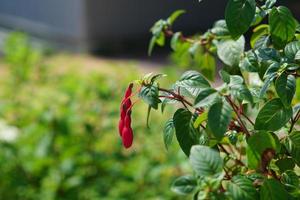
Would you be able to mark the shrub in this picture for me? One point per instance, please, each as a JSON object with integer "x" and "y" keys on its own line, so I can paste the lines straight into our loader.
{"x": 241, "y": 136}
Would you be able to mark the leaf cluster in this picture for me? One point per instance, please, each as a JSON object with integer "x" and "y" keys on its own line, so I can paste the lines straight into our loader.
{"x": 242, "y": 136}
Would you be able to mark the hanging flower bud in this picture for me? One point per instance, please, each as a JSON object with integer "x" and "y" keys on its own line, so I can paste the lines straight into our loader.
{"x": 127, "y": 119}
{"x": 126, "y": 104}
{"x": 125, "y": 129}
{"x": 128, "y": 91}
{"x": 121, "y": 126}
{"x": 127, "y": 137}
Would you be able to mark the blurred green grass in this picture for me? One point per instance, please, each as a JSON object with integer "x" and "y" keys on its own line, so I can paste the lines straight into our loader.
{"x": 58, "y": 130}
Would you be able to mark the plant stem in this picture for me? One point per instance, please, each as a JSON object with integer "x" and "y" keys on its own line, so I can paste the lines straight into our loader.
{"x": 202, "y": 41}
{"x": 179, "y": 98}
{"x": 294, "y": 121}
{"x": 237, "y": 161}
{"x": 242, "y": 113}
{"x": 241, "y": 123}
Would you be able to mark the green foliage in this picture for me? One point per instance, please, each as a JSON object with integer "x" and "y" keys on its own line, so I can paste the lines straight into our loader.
{"x": 257, "y": 145}
{"x": 184, "y": 185}
{"x": 273, "y": 116}
{"x": 21, "y": 57}
{"x": 239, "y": 15}
{"x": 272, "y": 190}
{"x": 230, "y": 51}
{"x": 219, "y": 117}
{"x": 149, "y": 94}
{"x": 242, "y": 135}
{"x": 185, "y": 133}
{"x": 169, "y": 133}
{"x": 205, "y": 161}
{"x": 241, "y": 187}
{"x": 282, "y": 26}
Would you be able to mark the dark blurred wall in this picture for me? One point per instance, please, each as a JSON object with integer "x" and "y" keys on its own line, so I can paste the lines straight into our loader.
{"x": 98, "y": 24}
{"x": 60, "y": 20}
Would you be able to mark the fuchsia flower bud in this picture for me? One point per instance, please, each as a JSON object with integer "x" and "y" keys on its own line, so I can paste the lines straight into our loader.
{"x": 127, "y": 137}
{"x": 127, "y": 119}
{"x": 128, "y": 91}
{"x": 125, "y": 129}
{"x": 121, "y": 126}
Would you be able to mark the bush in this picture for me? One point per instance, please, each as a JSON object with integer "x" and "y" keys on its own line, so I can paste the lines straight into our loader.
{"x": 242, "y": 136}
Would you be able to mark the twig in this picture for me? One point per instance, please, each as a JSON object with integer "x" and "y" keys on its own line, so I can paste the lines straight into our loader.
{"x": 237, "y": 161}
{"x": 294, "y": 120}
{"x": 180, "y": 98}
{"x": 238, "y": 116}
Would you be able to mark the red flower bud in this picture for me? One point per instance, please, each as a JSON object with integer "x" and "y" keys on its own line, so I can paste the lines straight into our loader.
{"x": 127, "y": 104}
{"x": 127, "y": 119}
{"x": 121, "y": 126}
{"x": 127, "y": 137}
{"x": 128, "y": 90}
{"x": 123, "y": 111}
{"x": 125, "y": 129}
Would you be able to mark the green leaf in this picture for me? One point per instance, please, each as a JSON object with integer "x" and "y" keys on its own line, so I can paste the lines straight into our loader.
{"x": 268, "y": 54}
{"x": 205, "y": 161}
{"x": 220, "y": 28}
{"x": 184, "y": 185}
{"x": 235, "y": 81}
{"x": 272, "y": 69}
{"x": 224, "y": 76}
{"x": 219, "y": 116}
{"x": 230, "y": 51}
{"x": 208, "y": 66}
{"x": 206, "y": 98}
{"x": 175, "y": 40}
{"x": 273, "y": 190}
{"x": 151, "y": 45}
{"x": 282, "y": 26}
{"x": 257, "y": 144}
{"x": 239, "y": 90}
{"x": 158, "y": 36}
{"x": 184, "y": 130}
{"x": 273, "y": 116}
{"x": 241, "y": 188}
{"x": 259, "y": 16}
{"x": 297, "y": 56}
{"x": 250, "y": 62}
{"x": 295, "y": 138}
{"x": 291, "y": 50}
{"x": 201, "y": 118}
{"x": 291, "y": 180}
{"x": 165, "y": 102}
{"x": 196, "y": 47}
{"x": 160, "y": 40}
{"x": 157, "y": 77}
{"x": 266, "y": 85}
{"x": 193, "y": 79}
{"x": 286, "y": 87}
{"x": 262, "y": 42}
{"x": 169, "y": 133}
{"x": 270, "y": 3}
{"x": 258, "y": 32}
{"x": 149, "y": 94}
{"x": 157, "y": 28}
{"x": 239, "y": 15}
{"x": 295, "y": 153}
{"x": 174, "y": 16}
{"x": 285, "y": 164}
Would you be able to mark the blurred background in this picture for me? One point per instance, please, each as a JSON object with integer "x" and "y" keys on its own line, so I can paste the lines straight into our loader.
{"x": 64, "y": 66}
